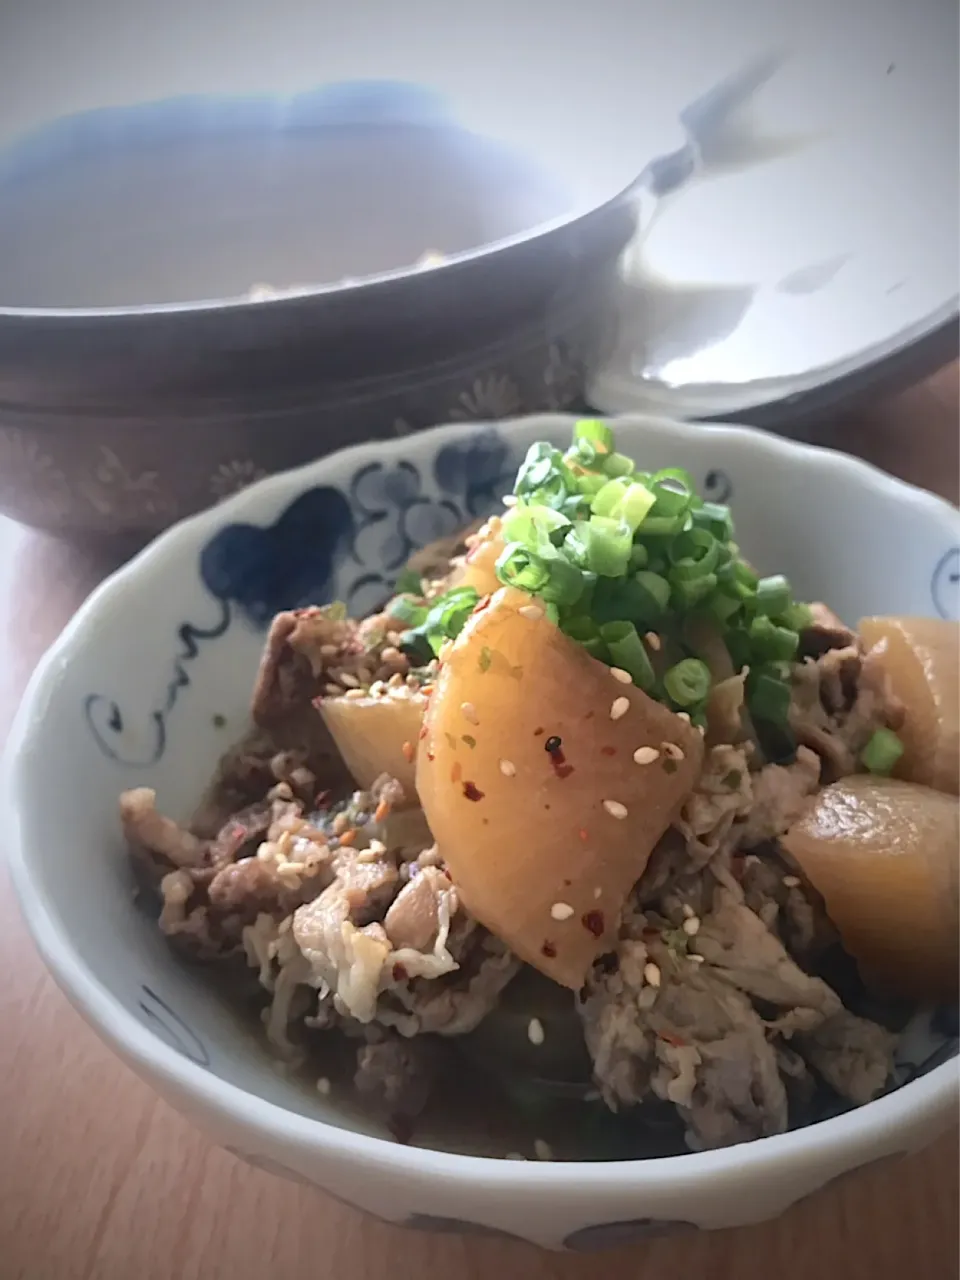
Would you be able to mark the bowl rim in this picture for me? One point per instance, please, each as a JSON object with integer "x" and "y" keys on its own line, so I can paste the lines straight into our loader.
{"x": 922, "y": 1100}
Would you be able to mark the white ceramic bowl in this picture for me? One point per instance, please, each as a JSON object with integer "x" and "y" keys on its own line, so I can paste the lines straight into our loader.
{"x": 139, "y": 685}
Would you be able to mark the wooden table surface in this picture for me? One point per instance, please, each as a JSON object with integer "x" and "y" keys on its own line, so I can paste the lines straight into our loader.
{"x": 99, "y": 1180}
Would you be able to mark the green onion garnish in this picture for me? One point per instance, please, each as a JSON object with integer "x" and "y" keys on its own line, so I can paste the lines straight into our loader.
{"x": 627, "y": 652}
{"x": 688, "y": 683}
{"x": 613, "y": 552}
{"x": 882, "y": 752}
{"x": 773, "y": 595}
{"x": 407, "y": 611}
{"x": 769, "y": 699}
{"x": 408, "y": 583}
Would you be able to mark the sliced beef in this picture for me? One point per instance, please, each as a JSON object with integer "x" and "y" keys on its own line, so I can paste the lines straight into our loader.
{"x": 838, "y": 701}
{"x": 692, "y": 1040}
{"x": 723, "y": 795}
{"x": 780, "y": 793}
{"x": 152, "y": 837}
{"x": 826, "y": 631}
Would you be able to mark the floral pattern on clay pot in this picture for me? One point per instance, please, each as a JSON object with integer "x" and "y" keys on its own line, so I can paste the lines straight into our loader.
{"x": 494, "y": 395}
{"x": 230, "y": 477}
{"x": 31, "y": 482}
{"x": 118, "y": 491}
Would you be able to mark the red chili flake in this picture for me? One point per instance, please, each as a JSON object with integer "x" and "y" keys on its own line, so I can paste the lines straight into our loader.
{"x": 321, "y": 799}
{"x": 563, "y": 770}
{"x": 549, "y": 950}
{"x": 567, "y": 884}
{"x": 672, "y": 1039}
{"x": 456, "y": 773}
{"x": 484, "y": 601}
{"x": 399, "y": 973}
{"x": 584, "y": 833}
{"x": 537, "y": 733}
{"x": 593, "y": 922}
{"x": 589, "y": 715}
{"x": 669, "y": 766}
{"x": 649, "y": 935}
{"x": 423, "y": 732}
{"x": 471, "y": 791}
{"x": 430, "y": 755}
{"x": 381, "y": 811}
{"x": 608, "y": 751}
{"x": 348, "y": 837}
{"x": 408, "y": 752}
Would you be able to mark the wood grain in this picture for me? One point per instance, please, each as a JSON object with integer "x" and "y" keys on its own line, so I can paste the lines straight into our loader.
{"x": 101, "y": 1181}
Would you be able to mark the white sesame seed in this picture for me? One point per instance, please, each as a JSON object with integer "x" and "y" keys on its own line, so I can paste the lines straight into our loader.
{"x": 671, "y": 751}
{"x": 792, "y": 882}
{"x": 535, "y": 1031}
{"x": 561, "y": 911}
{"x": 347, "y": 680}
{"x": 469, "y": 712}
{"x": 615, "y": 808}
{"x": 624, "y": 677}
{"x": 542, "y": 1150}
{"x": 619, "y": 708}
{"x": 323, "y": 1086}
{"x": 510, "y": 500}
{"x": 531, "y": 611}
{"x": 646, "y": 755}
{"x": 651, "y": 974}
{"x": 508, "y": 768}
{"x": 684, "y": 716}
{"x": 352, "y": 695}
{"x": 695, "y": 958}
{"x": 702, "y": 730}
{"x": 688, "y": 911}
{"x": 653, "y": 640}
{"x": 691, "y": 927}
{"x": 328, "y": 651}
{"x": 598, "y": 892}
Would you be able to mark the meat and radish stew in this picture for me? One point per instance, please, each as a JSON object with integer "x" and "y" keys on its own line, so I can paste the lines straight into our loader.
{"x": 591, "y": 821}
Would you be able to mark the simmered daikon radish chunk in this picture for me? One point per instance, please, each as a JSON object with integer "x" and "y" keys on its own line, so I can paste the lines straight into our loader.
{"x": 478, "y": 568}
{"x": 921, "y": 656}
{"x": 883, "y": 855}
{"x": 546, "y": 782}
{"x": 377, "y": 734}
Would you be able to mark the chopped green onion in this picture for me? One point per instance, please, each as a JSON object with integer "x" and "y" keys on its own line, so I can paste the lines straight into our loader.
{"x": 639, "y": 556}
{"x": 589, "y": 485}
{"x": 769, "y": 699}
{"x": 407, "y": 610}
{"x": 797, "y": 617}
{"x": 606, "y": 501}
{"x": 520, "y": 568}
{"x": 778, "y": 644}
{"x": 715, "y": 519}
{"x": 417, "y": 648}
{"x": 596, "y": 431}
{"x": 722, "y": 607}
{"x": 773, "y": 595}
{"x": 617, "y": 464}
{"x": 689, "y": 592}
{"x": 688, "y": 683}
{"x": 882, "y": 752}
{"x": 627, "y": 652}
{"x": 608, "y": 545}
{"x": 654, "y": 589}
{"x": 408, "y": 583}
